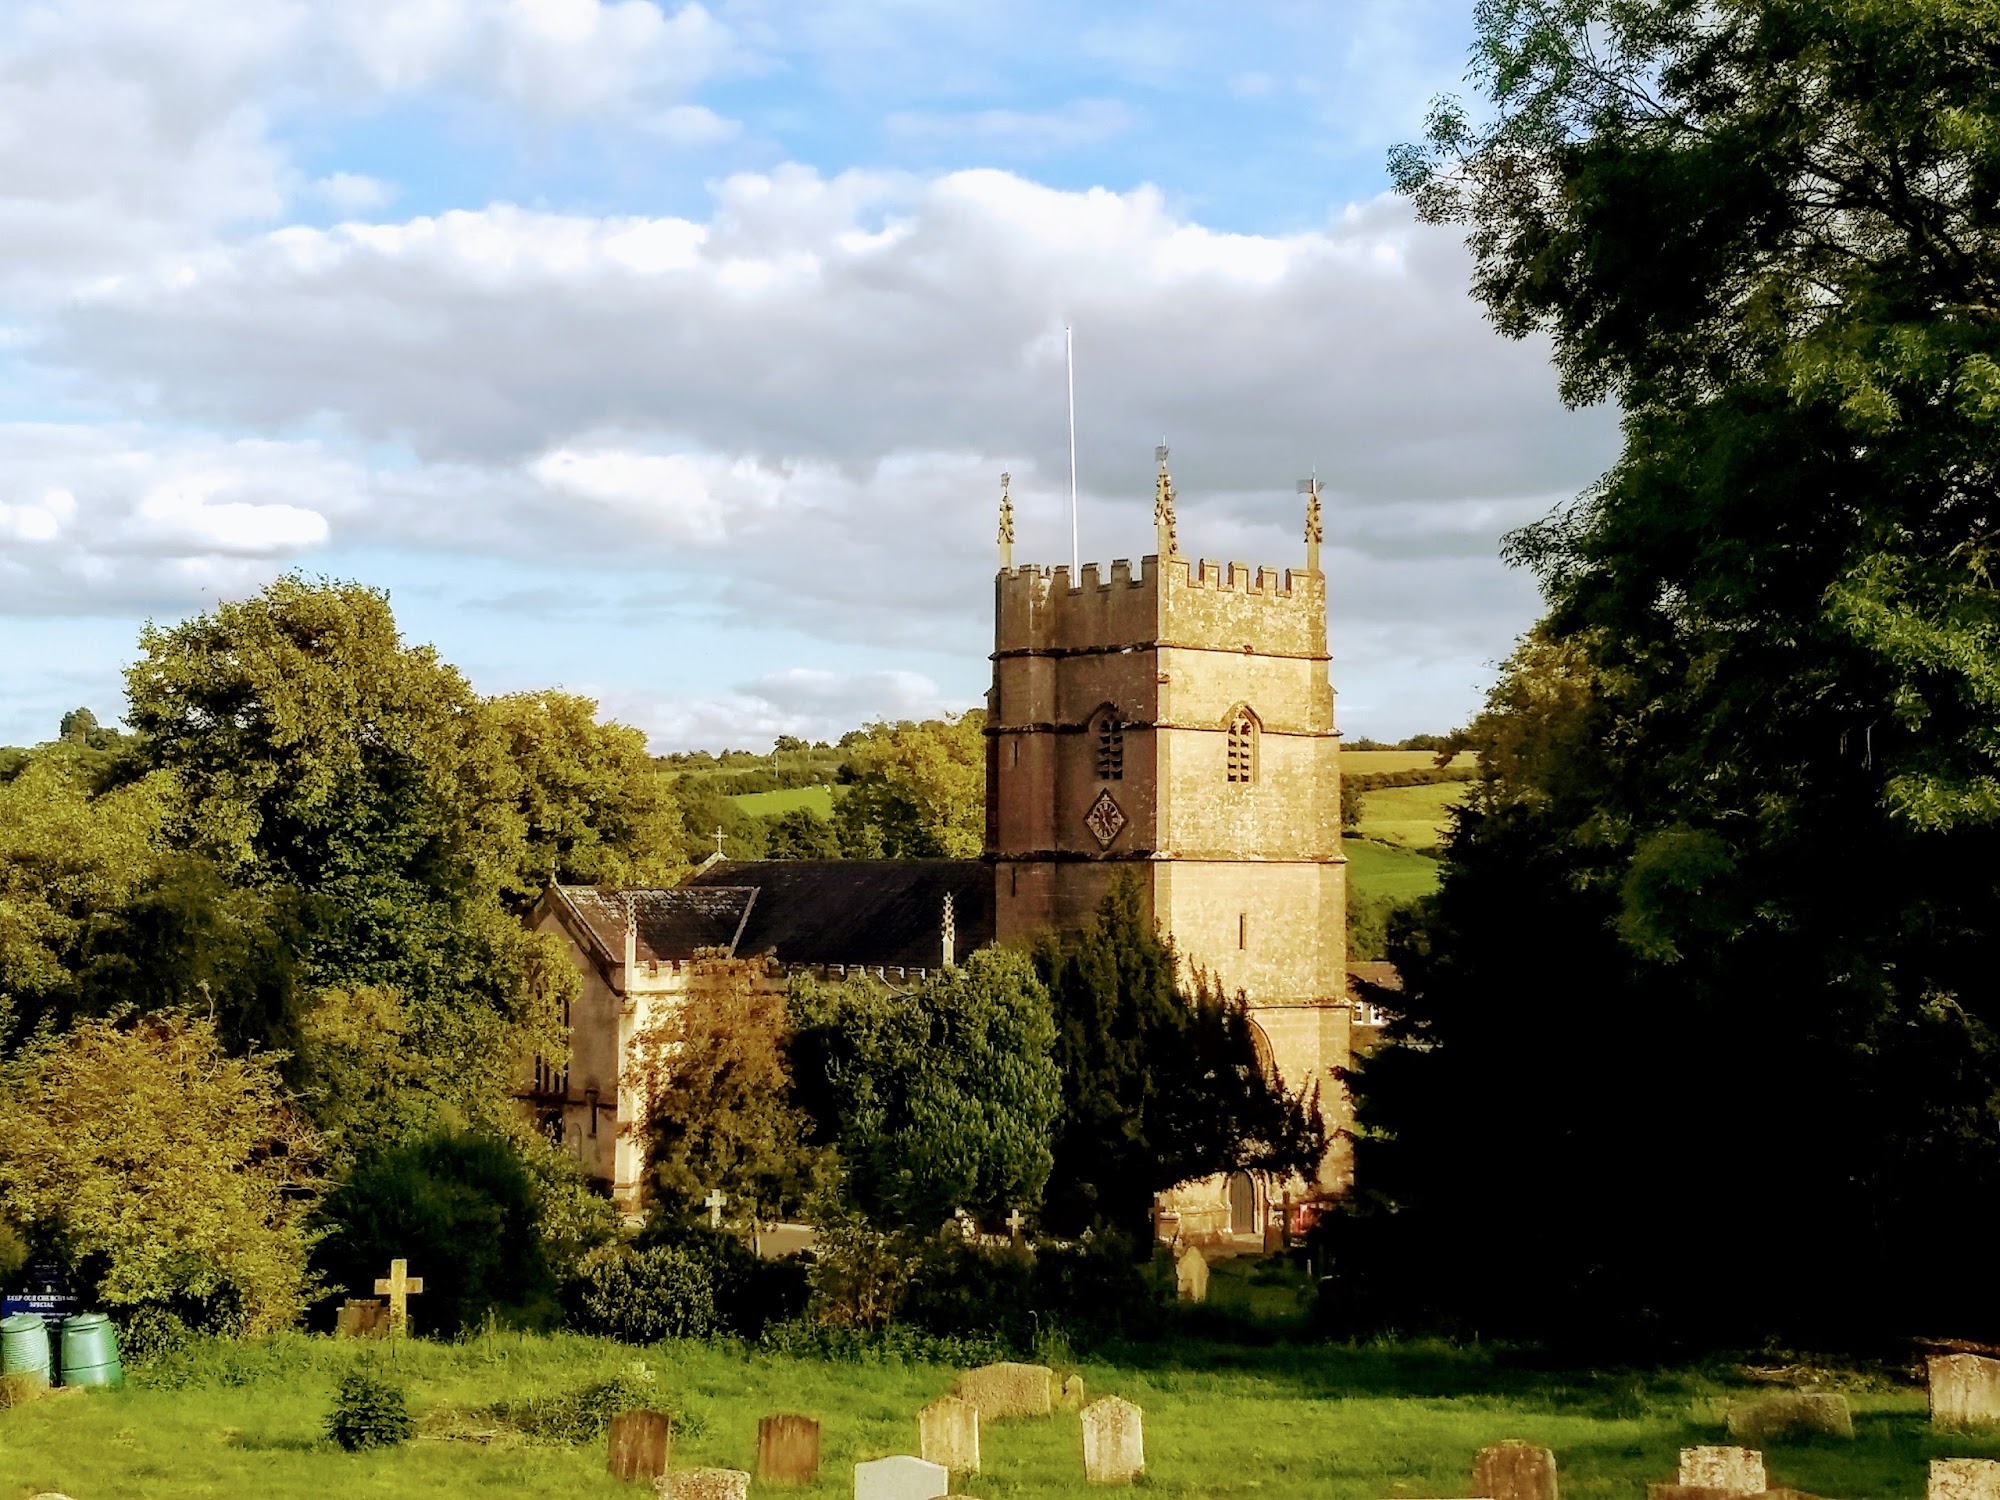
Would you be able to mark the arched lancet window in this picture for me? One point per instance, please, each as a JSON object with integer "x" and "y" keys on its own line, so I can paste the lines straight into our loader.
{"x": 1110, "y": 734}
{"x": 1243, "y": 730}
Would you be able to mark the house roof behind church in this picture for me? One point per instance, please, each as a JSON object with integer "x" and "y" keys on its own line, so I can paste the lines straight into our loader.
{"x": 886, "y": 912}
{"x": 672, "y": 923}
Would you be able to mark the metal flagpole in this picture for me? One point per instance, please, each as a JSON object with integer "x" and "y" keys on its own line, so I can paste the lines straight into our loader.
{"x": 1069, "y": 364}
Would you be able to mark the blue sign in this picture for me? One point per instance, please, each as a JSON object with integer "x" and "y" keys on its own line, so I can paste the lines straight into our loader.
{"x": 46, "y": 1293}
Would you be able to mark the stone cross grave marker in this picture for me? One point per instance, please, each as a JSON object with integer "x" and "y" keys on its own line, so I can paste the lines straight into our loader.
{"x": 901, "y": 1478}
{"x": 1514, "y": 1470}
{"x": 640, "y": 1441}
{"x": 1014, "y": 1223}
{"x": 1965, "y": 1390}
{"x": 705, "y": 1484}
{"x": 715, "y": 1200}
{"x": 1191, "y": 1276}
{"x": 948, "y": 1434}
{"x": 1963, "y": 1479}
{"x": 787, "y": 1449}
{"x": 399, "y": 1286}
{"x": 1737, "y": 1470}
{"x": 1114, "y": 1444}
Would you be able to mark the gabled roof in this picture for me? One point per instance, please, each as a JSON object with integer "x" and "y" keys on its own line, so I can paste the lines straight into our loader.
{"x": 872, "y": 912}
{"x": 672, "y": 924}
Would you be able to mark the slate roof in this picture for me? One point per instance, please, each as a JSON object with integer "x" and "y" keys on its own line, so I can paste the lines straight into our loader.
{"x": 1372, "y": 976}
{"x": 672, "y": 923}
{"x": 857, "y": 911}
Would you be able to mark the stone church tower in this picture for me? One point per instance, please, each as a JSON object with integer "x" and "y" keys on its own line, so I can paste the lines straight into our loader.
{"x": 1176, "y": 723}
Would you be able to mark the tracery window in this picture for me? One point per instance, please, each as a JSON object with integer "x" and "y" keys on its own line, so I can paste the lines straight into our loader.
{"x": 1110, "y": 748}
{"x": 1242, "y": 746}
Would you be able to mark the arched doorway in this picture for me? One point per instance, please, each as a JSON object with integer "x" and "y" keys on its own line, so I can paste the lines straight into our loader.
{"x": 1242, "y": 1203}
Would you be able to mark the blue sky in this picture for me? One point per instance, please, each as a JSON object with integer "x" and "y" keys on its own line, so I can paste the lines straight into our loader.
{"x": 671, "y": 353}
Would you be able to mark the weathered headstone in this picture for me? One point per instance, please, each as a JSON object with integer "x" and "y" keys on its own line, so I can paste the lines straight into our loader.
{"x": 1191, "y": 1276}
{"x": 1009, "y": 1390}
{"x": 362, "y": 1318}
{"x": 900, "y": 1478}
{"x": 399, "y": 1286}
{"x": 1070, "y": 1397}
{"x": 1114, "y": 1443}
{"x": 787, "y": 1449}
{"x": 1965, "y": 1390}
{"x": 1514, "y": 1470}
{"x": 1739, "y": 1471}
{"x": 1963, "y": 1479}
{"x": 704, "y": 1484}
{"x": 639, "y": 1444}
{"x": 1791, "y": 1414}
{"x": 948, "y": 1434}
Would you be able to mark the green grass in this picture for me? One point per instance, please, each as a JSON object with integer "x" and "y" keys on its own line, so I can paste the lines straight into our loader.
{"x": 1359, "y": 762}
{"x": 1259, "y": 1416}
{"x": 1410, "y": 817}
{"x": 770, "y": 804}
{"x": 1376, "y": 870}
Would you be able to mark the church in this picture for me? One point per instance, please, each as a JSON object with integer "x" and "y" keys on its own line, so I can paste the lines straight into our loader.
{"x": 1172, "y": 722}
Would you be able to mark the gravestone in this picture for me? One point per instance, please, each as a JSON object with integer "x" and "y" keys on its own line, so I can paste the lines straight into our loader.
{"x": 1114, "y": 1443}
{"x": 1009, "y": 1390}
{"x": 639, "y": 1444}
{"x": 1737, "y": 1471}
{"x": 948, "y": 1434}
{"x": 704, "y": 1484}
{"x": 1963, "y": 1479}
{"x": 399, "y": 1286}
{"x": 362, "y": 1318}
{"x": 1791, "y": 1414}
{"x": 900, "y": 1478}
{"x": 787, "y": 1449}
{"x": 1514, "y": 1470}
{"x": 1070, "y": 1397}
{"x": 1965, "y": 1390}
{"x": 1191, "y": 1276}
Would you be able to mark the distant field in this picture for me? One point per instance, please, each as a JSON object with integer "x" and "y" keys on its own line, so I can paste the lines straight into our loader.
{"x": 1376, "y": 870}
{"x": 1411, "y": 817}
{"x": 1354, "y": 762}
{"x": 770, "y": 804}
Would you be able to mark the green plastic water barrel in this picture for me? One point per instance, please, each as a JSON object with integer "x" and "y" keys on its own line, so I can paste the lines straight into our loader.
{"x": 24, "y": 1345}
{"x": 90, "y": 1351}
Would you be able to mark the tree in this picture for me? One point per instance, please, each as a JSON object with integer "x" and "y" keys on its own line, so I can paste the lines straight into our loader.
{"x": 593, "y": 807}
{"x": 165, "y": 1172}
{"x": 801, "y": 833}
{"x": 1159, "y": 1086}
{"x": 918, "y": 790}
{"x": 718, "y": 1102}
{"x": 1745, "y": 783}
{"x": 67, "y": 859}
{"x": 940, "y": 1100}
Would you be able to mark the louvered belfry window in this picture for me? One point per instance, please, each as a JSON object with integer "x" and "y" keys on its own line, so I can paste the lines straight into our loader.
{"x": 1110, "y": 748}
{"x": 1242, "y": 746}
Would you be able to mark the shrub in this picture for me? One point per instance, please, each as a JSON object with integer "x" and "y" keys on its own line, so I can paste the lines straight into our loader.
{"x": 369, "y": 1413}
{"x": 899, "y": 1343}
{"x": 641, "y": 1296}
{"x": 147, "y": 1335}
{"x": 583, "y": 1414}
{"x": 461, "y": 1208}
{"x": 1096, "y": 1290}
{"x": 957, "y": 1289}
{"x": 750, "y": 1293}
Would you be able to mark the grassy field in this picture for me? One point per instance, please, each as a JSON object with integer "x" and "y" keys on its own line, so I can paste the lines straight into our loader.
{"x": 770, "y": 804}
{"x": 1376, "y": 870}
{"x": 1256, "y": 1414}
{"x": 1410, "y": 817}
{"x": 1358, "y": 762}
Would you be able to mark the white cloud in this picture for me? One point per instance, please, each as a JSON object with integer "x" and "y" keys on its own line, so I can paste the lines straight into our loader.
{"x": 353, "y": 192}
{"x": 807, "y": 702}
{"x": 1013, "y": 132}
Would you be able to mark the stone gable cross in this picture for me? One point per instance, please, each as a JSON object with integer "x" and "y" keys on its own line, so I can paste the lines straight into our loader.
{"x": 718, "y": 838}
{"x": 398, "y": 1286}
{"x": 715, "y": 1200}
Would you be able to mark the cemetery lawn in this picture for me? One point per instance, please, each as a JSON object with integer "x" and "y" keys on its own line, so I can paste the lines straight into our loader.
{"x": 1238, "y": 1405}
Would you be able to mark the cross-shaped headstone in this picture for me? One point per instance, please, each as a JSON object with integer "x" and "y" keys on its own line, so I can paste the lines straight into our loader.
{"x": 715, "y": 1200}
{"x": 398, "y": 1286}
{"x": 1014, "y": 1222}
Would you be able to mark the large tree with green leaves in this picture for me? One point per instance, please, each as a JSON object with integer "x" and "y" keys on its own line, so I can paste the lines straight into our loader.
{"x": 1747, "y": 890}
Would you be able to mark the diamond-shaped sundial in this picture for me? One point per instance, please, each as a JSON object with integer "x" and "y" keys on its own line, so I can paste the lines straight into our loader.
{"x": 1104, "y": 819}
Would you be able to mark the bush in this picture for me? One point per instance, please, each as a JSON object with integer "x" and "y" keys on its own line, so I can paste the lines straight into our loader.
{"x": 899, "y": 1343}
{"x": 369, "y": 1413}
{"x": 584, "y": 1414}
{"x": 642, "y": 1296}
{"x": 958, "y": 1290}
{"x": 461, "y": 1208}
{"x": 750, "y": 1293}
{"x": 147, "y": 1335}
{"x": 1096, "y": 1290}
